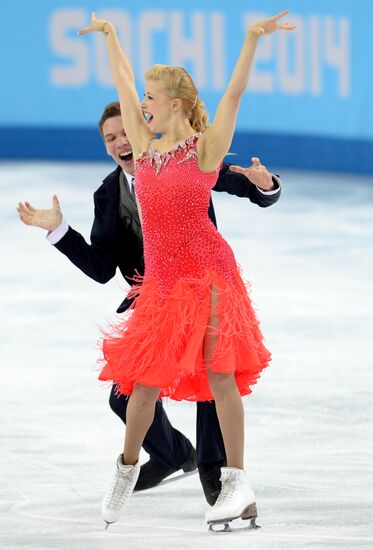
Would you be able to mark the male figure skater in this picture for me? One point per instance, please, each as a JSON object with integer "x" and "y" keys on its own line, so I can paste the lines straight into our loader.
{"x": 116, "y": 242}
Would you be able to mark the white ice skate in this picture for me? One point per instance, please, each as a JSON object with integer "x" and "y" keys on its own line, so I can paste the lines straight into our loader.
{"x": 236, "y": 500}
{"x": 119, "y": 490}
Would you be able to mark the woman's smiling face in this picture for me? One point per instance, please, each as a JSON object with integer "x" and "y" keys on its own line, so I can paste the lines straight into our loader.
{"x": 157, "y": 106}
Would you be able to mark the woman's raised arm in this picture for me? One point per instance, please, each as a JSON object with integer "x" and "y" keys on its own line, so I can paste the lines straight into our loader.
{"x": 214, "y": 144}
{"x": 134, "y": 123}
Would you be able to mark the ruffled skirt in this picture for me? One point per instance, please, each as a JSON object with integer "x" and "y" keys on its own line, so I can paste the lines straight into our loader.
{"x": 160, "y": 342}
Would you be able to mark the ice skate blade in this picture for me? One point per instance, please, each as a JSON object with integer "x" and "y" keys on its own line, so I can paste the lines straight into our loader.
{"x": 171, "y": 479}
{"x": 233, "y": 526}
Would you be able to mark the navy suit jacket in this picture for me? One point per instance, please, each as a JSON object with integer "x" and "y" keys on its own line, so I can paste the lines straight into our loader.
{"x": 114, "y": 244}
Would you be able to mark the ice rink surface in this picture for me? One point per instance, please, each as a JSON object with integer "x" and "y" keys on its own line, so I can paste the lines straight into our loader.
{"x": 309, "y": 438}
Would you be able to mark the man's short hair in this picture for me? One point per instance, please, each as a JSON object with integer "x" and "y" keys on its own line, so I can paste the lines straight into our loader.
{"x": 111, "y": 110}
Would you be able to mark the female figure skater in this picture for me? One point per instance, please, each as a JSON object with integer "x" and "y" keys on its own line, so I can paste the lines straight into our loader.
{"x": 192, "y": 333}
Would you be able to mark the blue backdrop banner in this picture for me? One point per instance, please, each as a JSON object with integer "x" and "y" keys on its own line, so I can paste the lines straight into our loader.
{"x": 309, "y": 94}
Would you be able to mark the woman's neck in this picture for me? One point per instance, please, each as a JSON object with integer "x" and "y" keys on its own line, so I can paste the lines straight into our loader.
{"x": 176, "y": 133}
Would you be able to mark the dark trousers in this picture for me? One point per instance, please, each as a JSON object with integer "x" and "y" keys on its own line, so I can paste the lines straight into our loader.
{"x": 170, "y": 448}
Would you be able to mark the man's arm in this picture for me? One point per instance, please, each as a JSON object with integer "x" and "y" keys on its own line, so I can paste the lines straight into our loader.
{"x": 95, "y": 259}
{"x": 239, "y": 183}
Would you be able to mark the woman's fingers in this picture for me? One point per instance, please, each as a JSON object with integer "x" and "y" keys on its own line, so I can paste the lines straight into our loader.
{"x": 285, "y": 26}
{"x": 279, "y": 15}
{"x": 91, "y": 28}
{"x": 86, "y": 30}
{"x": 96, "y": 25}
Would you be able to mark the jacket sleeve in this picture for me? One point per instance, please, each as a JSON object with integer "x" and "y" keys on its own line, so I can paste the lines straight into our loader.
{"x": 96, "y": 259}
{"x": 238, "y": 185}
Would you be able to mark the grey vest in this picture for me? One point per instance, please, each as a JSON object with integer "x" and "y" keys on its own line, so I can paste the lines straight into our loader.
{"x": 128, "y": 212}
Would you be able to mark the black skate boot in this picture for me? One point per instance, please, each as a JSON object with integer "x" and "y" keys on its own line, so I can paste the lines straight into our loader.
{"x": 151, "y": 474}
{"x": 209, "y": 475}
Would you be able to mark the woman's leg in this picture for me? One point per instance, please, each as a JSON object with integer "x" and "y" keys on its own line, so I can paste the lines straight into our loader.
{"x": 140, "y": 415}
{"x": 168, "y": 448}
{"x": 227, "y": 397}
{"x": 231, "y": 416}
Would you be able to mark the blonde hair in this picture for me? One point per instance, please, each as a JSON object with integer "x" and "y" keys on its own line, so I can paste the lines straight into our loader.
{"x": 179, "y": 84}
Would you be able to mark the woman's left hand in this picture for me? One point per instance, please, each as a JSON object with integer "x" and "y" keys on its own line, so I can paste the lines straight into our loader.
{"x": 97, "y": 25}
{"x": 270, "y": 25}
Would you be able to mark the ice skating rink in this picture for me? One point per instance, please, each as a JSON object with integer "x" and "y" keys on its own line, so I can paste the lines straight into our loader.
{"x": 309, "y": 444}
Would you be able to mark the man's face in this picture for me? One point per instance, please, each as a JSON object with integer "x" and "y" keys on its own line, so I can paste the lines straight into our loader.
{"x": 117, "y": 144}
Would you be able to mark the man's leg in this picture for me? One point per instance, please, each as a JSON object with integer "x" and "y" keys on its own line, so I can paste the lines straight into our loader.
{"x": 168, "y": 448}
{"x": 210, "y": 450}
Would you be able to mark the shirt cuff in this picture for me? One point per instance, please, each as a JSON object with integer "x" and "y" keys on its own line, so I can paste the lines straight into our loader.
{"x": 274, "y": 191}
{"x": 54, "y": 236}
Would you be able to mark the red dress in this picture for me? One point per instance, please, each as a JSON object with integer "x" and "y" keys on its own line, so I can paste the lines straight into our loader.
{"x": 160, "y": 340}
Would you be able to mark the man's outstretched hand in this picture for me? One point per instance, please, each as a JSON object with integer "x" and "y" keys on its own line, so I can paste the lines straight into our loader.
{"x": 49, "y": 218}
{"x": 257, "y": 174}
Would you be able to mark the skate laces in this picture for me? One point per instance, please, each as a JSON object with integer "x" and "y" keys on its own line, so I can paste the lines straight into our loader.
{"x": 227, "y": 491}
{"x": 118, "y": 491}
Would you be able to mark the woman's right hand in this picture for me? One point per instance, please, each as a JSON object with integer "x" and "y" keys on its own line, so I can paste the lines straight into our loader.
{"x": 98, "y": 25}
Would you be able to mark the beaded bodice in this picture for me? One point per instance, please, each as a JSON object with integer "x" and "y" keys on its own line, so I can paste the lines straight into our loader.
{"x": 174, "y": 196}
{"x": 158, "y": 160}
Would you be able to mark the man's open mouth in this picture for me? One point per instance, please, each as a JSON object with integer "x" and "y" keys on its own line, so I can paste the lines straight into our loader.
{"x": 126, "y": 157}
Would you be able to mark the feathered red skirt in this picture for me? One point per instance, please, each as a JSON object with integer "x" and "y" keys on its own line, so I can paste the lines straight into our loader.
{"x": 160, "y": 342}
